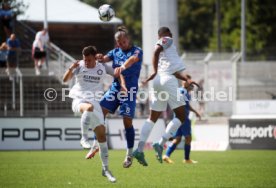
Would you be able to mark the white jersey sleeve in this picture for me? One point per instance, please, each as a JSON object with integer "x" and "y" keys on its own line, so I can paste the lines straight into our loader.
{"x": 165, "y": 42}
{"x": 169, "y": 61}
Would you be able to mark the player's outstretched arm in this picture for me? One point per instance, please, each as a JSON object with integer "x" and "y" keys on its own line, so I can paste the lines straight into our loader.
{"x": 69, "y": 73}
{"x": 123, "y": 84}
{"x": 155, "y": 58}
{"x": 196, "y": 112}
{"x": 102, "y": 58}
{"x": 128, "y": 63}
{"x": 182, "y": 76}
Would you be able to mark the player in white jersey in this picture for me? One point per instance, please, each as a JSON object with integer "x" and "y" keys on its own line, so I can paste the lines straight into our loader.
{"x": 167, "y": 67}
{"x": 86, "y": 94}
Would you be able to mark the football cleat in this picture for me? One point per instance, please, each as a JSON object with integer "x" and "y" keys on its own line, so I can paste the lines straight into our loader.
{"x": 92, "y": 152}
{"x": 189, "y": 161}
{"x": 167, "y": 159}
{"x": 85, "y": 144}
{"x": 159, "y": 150}
{"x": 108, "y": 174}
{"x": 140, "y": 157}
{"x": 127, "y": 162}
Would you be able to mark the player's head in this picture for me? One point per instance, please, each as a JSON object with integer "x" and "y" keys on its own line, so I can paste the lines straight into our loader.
{"x": 164, "y": 32}
{"x": 13, "y": 36}
{"x": 122, "y": 38}
{"x": 88, "y": 54}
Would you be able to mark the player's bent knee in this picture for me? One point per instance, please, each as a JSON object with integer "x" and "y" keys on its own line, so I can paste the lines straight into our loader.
{"x": 100, "y": 133}
{"x": 188, "y": 140}
{"x": 86, "y": 107}
{"x": 127, "y": 122}
{"x": 90, "y": 108}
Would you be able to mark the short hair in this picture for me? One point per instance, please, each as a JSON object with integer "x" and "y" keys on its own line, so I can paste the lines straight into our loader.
{"x": 163, "y": 30}
{"x": 89, "y": 50}
{"x": 121, "y": 31}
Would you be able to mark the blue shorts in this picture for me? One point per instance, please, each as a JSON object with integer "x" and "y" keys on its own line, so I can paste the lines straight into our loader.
{"x": 111, "y": 102}
{"x": 185, "y": 129}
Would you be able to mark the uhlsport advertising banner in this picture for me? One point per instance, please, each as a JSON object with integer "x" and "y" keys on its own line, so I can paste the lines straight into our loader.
{"x": 252, "y": 133}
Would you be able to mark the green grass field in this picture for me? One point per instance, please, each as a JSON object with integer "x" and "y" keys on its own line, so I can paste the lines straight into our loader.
{"x": 70, "y": 169}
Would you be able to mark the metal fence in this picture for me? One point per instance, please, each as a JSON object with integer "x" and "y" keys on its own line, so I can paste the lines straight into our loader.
{"x": 23, "y": 94}
{"x": 256, "y": 80}
{"x": 214, "y": 73}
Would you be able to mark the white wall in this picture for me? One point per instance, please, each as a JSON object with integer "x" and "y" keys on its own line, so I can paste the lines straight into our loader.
{"x": 155, "y": 14}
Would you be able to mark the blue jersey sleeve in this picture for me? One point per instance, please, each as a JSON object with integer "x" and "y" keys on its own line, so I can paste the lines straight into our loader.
{"x": 110, "y": 55}
{"x": 134, "y": 70}
{"x": 138, "y": 53}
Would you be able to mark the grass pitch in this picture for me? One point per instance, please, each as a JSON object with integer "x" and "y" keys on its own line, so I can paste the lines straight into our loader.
{"x": 70, "y": 169}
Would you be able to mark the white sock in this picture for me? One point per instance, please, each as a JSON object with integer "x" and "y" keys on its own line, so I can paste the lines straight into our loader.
{"x": 95, "y": 143}
{"x": 170, "y": 130}
{"x": 104, "y": 154}
{"x": 129, "y": 151}
{"x": 85, "y": 121}
{"x": 145, "y": 132}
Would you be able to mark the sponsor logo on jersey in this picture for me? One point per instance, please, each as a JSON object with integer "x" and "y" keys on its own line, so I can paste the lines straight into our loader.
{"x": 128, "y": 54}
{"x": 93, "y": 79}
{"x": 119, "y": 54}
{"x": 136, "y": 52}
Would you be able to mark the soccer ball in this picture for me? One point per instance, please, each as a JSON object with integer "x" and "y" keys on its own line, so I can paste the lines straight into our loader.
{"x": 106, "y": 12}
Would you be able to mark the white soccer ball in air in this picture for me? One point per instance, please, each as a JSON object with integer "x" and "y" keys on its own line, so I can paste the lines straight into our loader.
{"x": 106, "y": 12}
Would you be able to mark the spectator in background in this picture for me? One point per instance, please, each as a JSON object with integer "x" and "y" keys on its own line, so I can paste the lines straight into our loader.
{"x": 3, "y": 55}
{"x": 39, "y": 49}
{"x": 12, "y": 54}
{"x": 6, "y": 18}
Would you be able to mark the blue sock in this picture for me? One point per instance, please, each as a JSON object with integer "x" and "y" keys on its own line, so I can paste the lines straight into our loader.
{"x": 170, "y": 149}
{"x": 187, "y": 149}
{"x": 130, "y": 135}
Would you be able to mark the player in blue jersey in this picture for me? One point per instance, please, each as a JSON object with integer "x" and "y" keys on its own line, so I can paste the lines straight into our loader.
{"x": 185, "y": 129}
{"x": 125, "y": 52}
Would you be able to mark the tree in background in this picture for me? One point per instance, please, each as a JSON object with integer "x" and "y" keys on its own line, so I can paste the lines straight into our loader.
{"x": 260, "y": 28}
{"x": 198, "y": 24}
{"x": 195, "y": 20}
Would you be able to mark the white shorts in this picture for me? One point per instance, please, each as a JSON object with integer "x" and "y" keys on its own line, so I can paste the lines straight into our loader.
{"x": 166, "y": 92}
{"x": 97, "y": 115}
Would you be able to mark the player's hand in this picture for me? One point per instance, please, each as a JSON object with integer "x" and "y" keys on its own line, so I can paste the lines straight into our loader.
{"x": 117, "y": 72}
{"x": 124, "y": 90}
{"x": 191, "y": 82}
{"x": 144, "y": 82}
{"x": 99, "y": 57}
{"x": 198, "y": 115}
{"x": 75, "y": 65}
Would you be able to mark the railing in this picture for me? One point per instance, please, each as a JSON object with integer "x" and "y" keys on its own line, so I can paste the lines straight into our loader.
{"x": 58, "y": 61}
{"x": 15, "y": 93}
